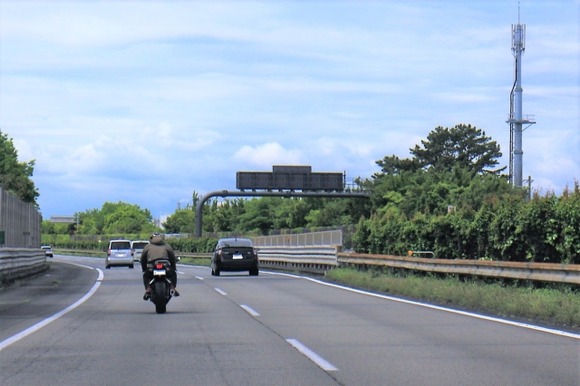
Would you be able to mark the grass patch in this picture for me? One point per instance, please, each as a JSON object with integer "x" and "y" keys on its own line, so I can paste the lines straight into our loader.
{"x": 80, "y": 252}
{"x": 559, "y": 305}
{"x": 203, "y": 261}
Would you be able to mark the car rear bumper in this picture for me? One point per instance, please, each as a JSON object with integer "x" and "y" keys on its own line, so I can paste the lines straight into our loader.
{"x": 117, "y": 261}
{"x": 237, "y": 265}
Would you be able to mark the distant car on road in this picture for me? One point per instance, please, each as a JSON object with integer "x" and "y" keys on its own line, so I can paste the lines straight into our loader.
{"x": 47, "y": 250}
{"x": 119, "y": 253}
{"x": 234, "y": 254}
{"x": 137, "y": 248}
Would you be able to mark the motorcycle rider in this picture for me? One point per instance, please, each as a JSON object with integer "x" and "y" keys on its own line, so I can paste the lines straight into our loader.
{"x": 155, "y": 250}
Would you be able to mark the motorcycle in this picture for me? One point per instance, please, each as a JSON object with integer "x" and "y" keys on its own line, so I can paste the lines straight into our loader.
{"x": 161, "y": 286}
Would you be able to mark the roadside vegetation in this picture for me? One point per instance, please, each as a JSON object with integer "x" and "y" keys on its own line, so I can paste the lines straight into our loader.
{"x": 557, "y": 305}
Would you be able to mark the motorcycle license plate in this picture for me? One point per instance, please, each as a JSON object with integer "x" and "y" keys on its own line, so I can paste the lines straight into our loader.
{"x": 237, "y": 256}
{"x": 158, "y": 272}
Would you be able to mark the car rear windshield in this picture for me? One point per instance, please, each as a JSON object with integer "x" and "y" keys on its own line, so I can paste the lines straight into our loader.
{"x": 238, "y": 243}
{"x": 139, "y": 245}
{"x": 120, "y": 245}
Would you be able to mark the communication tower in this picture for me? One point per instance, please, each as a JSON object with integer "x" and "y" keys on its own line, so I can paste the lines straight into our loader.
{"x": 516, "y": 119}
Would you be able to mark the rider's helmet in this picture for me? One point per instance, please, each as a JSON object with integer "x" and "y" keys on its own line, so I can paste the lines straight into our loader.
{"x": 154, "y": 235}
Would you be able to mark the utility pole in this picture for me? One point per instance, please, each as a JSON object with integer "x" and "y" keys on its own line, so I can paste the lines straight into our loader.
{"x": 530, "y": 187}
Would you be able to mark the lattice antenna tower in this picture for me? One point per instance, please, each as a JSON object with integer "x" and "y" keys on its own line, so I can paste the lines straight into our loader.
{"x": 516, "y": 119}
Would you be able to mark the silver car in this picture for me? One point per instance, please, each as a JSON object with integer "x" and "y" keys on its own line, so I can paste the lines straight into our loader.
{"x": 119, "y": 253}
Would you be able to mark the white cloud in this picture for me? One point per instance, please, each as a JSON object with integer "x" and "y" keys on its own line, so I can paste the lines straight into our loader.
{"x": 266, "y": 155}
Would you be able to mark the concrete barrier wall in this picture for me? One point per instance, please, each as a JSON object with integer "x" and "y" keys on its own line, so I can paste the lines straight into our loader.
{"x": 16, "y": 263}
{"x": 20, "y": 222}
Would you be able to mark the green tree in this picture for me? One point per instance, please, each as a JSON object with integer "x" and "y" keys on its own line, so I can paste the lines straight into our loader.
{"x": 51, "y": 228}
{"x": 329, "y": 212}
{"x": 453, "y": 167}
{"x": 566, "y": 239}
{"x": 258, "y": 215}
{"x": 220, "y": 218}
{"x": 91, "y": 222}
{"x": 394, "y": 165}
{"x": 181, "y": 221}
{"x": 128, "y": 218}
{"x": 15, "y": 175}
{"x": 462, "y": 146}
{"x": 115, "y": 218}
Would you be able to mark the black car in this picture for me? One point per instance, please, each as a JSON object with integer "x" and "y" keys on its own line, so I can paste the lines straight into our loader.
{"x": 234, "y": 254}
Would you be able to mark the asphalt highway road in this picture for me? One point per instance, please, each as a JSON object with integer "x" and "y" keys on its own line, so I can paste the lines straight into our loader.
{"x": 79, "y": 324}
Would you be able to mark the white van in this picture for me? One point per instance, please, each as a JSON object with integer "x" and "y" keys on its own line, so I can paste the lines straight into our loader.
{"x": 137, "y": 247}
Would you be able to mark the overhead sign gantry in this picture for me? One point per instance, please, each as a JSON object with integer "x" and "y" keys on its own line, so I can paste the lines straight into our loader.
{"x": 282, "y": 181}
{"x": 291, "y": 178}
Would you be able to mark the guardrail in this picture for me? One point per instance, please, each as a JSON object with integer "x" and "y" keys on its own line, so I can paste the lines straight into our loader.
{"x": 313, "y": 258}
{"x": 323, "y": 258}
{"x": 557, "y": 273}
{"x": 16, "y": 263}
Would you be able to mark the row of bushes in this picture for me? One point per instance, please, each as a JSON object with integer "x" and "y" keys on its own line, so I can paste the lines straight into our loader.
{"x": 100, "y": 243}
{"x": 194, "y": 245}
{"x": 543, "y": 229}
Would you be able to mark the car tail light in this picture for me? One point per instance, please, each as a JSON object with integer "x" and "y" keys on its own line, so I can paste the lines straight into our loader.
{"x": 109, "y": 252}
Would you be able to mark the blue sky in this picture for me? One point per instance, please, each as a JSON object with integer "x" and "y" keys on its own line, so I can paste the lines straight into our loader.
{"x": 146, "y": 102}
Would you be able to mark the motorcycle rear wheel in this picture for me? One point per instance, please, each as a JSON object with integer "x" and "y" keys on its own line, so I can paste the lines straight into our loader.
{"x": 159, "y": 297}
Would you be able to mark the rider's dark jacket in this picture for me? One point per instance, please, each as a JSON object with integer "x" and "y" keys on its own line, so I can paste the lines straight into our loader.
{"x": 155, "y": 250}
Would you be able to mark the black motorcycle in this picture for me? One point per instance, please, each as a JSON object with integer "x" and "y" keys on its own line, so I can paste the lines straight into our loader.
{"x": 161, "y": 286}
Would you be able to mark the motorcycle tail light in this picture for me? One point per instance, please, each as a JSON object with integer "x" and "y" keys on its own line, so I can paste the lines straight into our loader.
{"x": 159, "y": 266}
